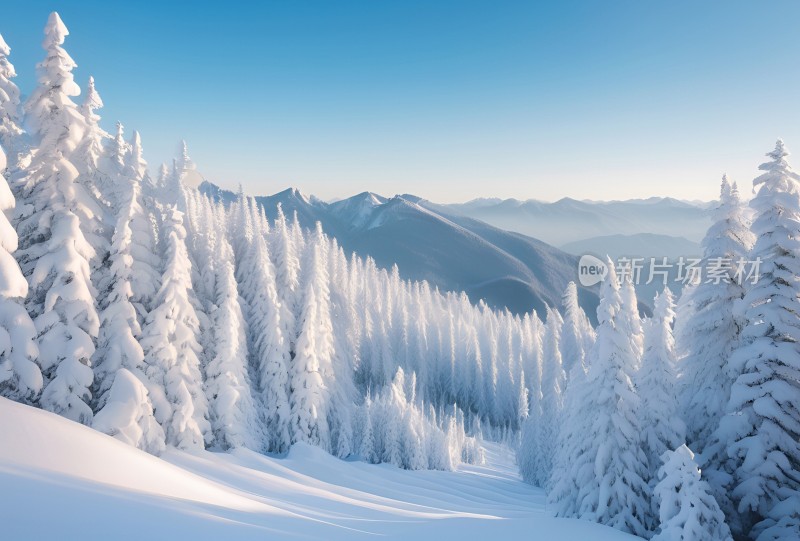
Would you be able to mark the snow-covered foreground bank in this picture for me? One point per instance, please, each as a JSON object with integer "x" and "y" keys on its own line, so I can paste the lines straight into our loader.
{"x": 61, "y": 480}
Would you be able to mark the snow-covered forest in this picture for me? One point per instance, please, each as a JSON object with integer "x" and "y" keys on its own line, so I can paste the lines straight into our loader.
{"x": 132, "y": 303}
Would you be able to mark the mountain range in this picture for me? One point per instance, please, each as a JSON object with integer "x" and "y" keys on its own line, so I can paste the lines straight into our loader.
{"x": 452, "y": 252}
{"x": 570, "y": 220}
{"x": 490, "y": 248}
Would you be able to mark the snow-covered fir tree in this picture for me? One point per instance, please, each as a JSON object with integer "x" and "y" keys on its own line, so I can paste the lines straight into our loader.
{"x": 145, "y": 277}
{"x": 268, "y": 344}
{"x": 577, "y": 334}
{"x": 712, "y": 326}
{"x": 20, "y": 376}
{"x": 118, "y": 342}
{"x": 54, "y": 254}
{"x": 662, "y": 428}
{"x": 310, "y": 392}
{"x": 686, "y": 508}
{"x": 128, "y": 414}
{"x": 610, "y": 469}
{"x": 231, "y": 406}
{"x": 761, "y": 434}
{"x": 10, "y": 108}
{"x": 553, "y": 384}
{"x": 170, "y": 342}
{"x": 573, "y": 465}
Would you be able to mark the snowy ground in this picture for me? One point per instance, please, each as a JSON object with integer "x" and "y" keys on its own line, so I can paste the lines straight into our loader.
{"x": 60, "y": 480}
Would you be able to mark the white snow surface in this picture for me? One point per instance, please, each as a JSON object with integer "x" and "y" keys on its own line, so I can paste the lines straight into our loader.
{"x": 62, "y": 480}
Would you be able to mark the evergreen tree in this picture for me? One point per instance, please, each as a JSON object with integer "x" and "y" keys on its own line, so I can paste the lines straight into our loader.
{"x": 310, "y": 390}
{"x": 287, "y": 275}
{"x": 20, "y": 377}
{"x": 118, "y": 345}
{"x": 128, "y": 414}
{"x": 553, "y": 384}
{"x": 782, "y": 522}
{"x": 169, "y": 339}
{"x": 712, "y": 328}
{"x": 615, "y": 493}
{"x": 762, "y": 436}
{"x": 629, "y": 314}
{"x": 687, "y": 510}
{"x": 144, "y": 277}
{"x": 10, "y": 108}
{"x": 112, "y": 178}
{"x": 54, "y": 254}
{"x": 269, "y": 348}
{"x": 573, "y": 466}
{"x": 577, "y": 335}
{"x": 232, "y": 408}
{"x": 656, "y": 381}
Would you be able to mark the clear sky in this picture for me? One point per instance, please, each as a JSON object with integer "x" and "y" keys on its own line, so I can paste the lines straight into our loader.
{"x": 449, "y": 100}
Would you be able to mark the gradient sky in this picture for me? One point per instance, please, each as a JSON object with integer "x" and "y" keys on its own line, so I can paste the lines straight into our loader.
{"x": 449, "y": 100}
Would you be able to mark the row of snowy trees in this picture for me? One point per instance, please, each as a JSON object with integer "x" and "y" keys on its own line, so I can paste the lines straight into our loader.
{"x": 722, "y": 381}
{"x": 153, "y": 313}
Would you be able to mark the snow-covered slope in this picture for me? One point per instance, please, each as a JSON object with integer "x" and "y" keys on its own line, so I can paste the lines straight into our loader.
{"x": 61, "y": 480}
{"x": 452, "y": 252}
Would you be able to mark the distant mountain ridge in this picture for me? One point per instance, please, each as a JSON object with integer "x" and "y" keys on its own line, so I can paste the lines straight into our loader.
{"x": 570, "y": 220}
{"x": 452, "y": 252}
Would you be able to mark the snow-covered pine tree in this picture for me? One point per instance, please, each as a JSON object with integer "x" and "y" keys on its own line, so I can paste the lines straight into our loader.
{"x": 762, "y": 434}
{"x": 553, "y": 384}
{"x": 10, "y": 109}
{"x": 128, "y": 414}
{"x": 231, "y": 405}
{"x": 629, "y": 315}
{"x": 145, "y": 277}
{"x": 616, "y": 492}
{"x": 311, "y": 370}
{"x": 573, "y": 466}
{"x": 54, "y": 254}
{"x": 20, "y": 377}
{"x": 97, "y": 221}
{"x": 710, "y": 332}
{"x": 125, "y": 410}
{"x": 112, "y": 179}
{"x": 169, "y": 339}
{"x": 87, "y": 156}
{"x": 662, "y": 429}
{"x": 118, "y": 346}
{"x": 135, "y": 164}
{"x": 783, "y": 520}
{"x": 686, "y": 508}
{"x": 366, "y": 442}
{"x": 532, "y": 329}
{"x": 577, "y": 335}
{"x": 287, "y": 275}
{"x": 269, "y": 348}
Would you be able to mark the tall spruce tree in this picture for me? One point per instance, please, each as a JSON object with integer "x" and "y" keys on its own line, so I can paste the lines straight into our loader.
{"x": 54, "y": 254}
{"x": 20, "y": 376}
{"x": 762, "y": 434}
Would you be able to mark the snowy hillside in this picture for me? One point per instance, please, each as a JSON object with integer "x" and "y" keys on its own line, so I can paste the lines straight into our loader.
{"x": 451, "y": 252}
{"x": 52, "y": 464}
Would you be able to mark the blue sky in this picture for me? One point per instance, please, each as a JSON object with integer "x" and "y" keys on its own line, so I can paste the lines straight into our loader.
{"x": 449, "y": 100}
